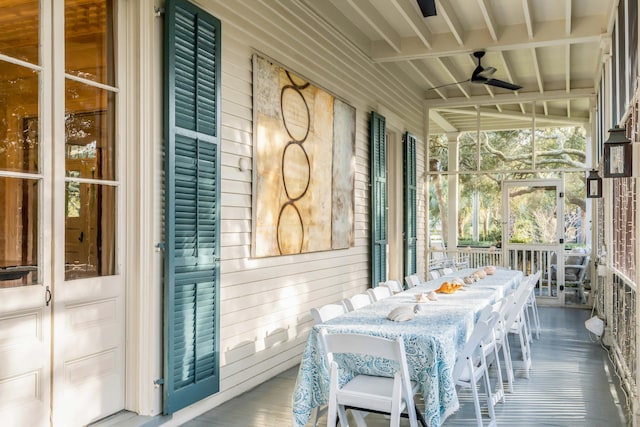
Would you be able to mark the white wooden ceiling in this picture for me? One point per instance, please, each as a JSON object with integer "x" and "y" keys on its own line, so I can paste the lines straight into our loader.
{"x": 552, "y": 48}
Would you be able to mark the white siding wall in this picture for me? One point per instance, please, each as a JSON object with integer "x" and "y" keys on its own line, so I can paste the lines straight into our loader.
{"x": 265, "y": 302}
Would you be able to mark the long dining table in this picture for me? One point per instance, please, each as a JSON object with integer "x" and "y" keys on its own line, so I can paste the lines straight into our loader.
{"x": 437, "y": 332}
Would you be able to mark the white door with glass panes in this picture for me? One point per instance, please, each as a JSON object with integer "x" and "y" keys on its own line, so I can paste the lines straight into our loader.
{"x": 533, "y": 230}
{"x": 61, "y": 283}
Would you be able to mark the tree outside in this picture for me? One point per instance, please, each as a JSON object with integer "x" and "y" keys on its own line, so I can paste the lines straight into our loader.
{"x": 510, "y": 155}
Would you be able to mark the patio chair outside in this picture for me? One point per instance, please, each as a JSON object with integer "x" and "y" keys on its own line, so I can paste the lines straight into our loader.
{"x": 575, "y": 271}
{"x": 440, "y": 258}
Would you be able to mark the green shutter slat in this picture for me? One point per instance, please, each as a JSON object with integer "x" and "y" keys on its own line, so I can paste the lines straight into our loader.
{"x": 192, "y": 211}
{"x": 410, "y": 195}
{"x": 378, "y": 172}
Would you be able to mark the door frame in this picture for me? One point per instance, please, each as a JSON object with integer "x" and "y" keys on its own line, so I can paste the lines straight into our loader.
{"x": 395, "y": 207}
{"x": 537, "y": 254}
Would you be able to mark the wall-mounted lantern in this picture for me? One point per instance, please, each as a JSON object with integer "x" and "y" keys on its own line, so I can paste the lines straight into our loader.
{"x": 594, "y": 185}
{"x": 618, "y": 154}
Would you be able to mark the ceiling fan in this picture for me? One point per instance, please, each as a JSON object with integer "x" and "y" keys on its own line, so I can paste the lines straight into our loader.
{"x": 482, "y": 75}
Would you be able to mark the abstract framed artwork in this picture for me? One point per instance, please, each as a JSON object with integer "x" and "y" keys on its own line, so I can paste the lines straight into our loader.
{"x": 303, "y": 165}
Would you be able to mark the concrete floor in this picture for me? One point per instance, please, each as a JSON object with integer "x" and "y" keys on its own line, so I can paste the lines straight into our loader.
{"x": 572, "y": 383}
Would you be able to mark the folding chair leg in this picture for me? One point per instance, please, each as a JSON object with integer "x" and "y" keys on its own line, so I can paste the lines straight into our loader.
{"x": 498, "y": 396}
{"x": 508, "y": 363}
{"x": 358, "y": 416}
{"x": 342, "y": 414}
{"x": 332, "y": 415}
{"x": 489, "y": 393}
{"x": 476, "y": 403}
{"x": 527, "y": 323}
{"x": 524, "y": 346}
{"x": 318, "y": 411}
{"x": 535, "y": 316}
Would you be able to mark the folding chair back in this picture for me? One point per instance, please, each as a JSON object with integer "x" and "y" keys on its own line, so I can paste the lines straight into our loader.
{"x": 357, "y": 301}
{"x": 379, "y": 293}
{"x": 516, "y": 321}
{"x": 471, "y": 363}
{"x": 502, "y": 307}
{"x": 391, "y": 395}
{"x": 394, "y": 286}
{"x": 532, "y": 306}
{"x": 327, "y": 312}
{"x": 412, "y": 280}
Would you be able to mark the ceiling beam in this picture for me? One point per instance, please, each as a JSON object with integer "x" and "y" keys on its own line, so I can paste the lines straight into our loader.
{"x": 536, "y": 68}
{"x": 378, "y": 23}
{"x": 514, "y": 37}
{"x": 420, "y": 70}
{"x": 567, "y": 17}
{"x": 567, "y": 67}
{"x": 526, "y": 9}
{"x": 452, "y": 21}
{"x": 511, "y": 98}
{"x": 489, "y": 18}
{"x": 513, "y": 116}
{"x": 448, "y": 66}
{"x": 506, "y": 66}
{"x": 442, "y": 122}
{"x": 414, "y": 22}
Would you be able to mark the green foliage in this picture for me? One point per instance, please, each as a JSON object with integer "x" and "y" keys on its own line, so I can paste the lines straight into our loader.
{"x": 509, "y": 154}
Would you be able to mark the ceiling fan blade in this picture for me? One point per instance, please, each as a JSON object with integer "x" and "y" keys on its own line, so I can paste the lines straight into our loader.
{"x": 502, "y": 84}
{"x": 449, "y": 84}
{"x": 427, "y": 7}
{"x": 487, "y": 72}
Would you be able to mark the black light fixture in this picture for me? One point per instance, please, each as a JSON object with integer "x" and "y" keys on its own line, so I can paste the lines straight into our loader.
{"x": 427, "y": 7}
{"x": 618, "y": 154}
{"x": 594, "y": 185}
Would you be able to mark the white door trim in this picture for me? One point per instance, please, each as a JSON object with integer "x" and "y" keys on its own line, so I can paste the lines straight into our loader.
{"x": 141, "y": 121}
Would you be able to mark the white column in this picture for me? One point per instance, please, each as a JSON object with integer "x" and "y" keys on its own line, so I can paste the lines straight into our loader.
{"x": 451, "y": 235}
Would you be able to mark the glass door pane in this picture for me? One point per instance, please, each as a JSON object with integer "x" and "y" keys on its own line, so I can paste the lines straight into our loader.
{"x": 19, "y": 153}
{"x": 533, "y": 215}
{"x": 19, "y": 29}
{"x": 89, "y": 40}
{"x": 533, "y": 235}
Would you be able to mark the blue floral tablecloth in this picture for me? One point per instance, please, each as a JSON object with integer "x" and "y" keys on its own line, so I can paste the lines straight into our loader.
{"x": 432, "y": 340}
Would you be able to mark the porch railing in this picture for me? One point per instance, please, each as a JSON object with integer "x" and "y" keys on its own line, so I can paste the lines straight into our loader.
{"x": 622, "y": 325}
{"x": 465, "y": 257}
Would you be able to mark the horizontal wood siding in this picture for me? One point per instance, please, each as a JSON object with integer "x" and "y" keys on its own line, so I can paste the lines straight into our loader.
{"x": 265, "y": 302}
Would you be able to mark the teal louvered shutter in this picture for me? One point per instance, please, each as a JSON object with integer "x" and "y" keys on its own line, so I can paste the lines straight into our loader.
{"x": 192, "y": 208}
{"x": 410, "y": 194}
{"x": 378, "y": 150}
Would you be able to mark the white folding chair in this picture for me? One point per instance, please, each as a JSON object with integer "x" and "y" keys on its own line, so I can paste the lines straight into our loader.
{"x": 434, "y": 274}
{"x": 321, "y": 315}
{"x": 394, "y": 286}
{"x": 357, "y": 301}
{"x": 528, "y": 314}
{"x": 384, "y": 394}
{"x": 379, "y": 293}
{"x": 471, "y": 363}
{"x": 502, "y": 336}
{"x": 412, "y": 280}
{"x": 515, "y": 323}
{"x": 327, "y": 312}
{"x": 532, "y": 306}
{"x": 491, "y": 349}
